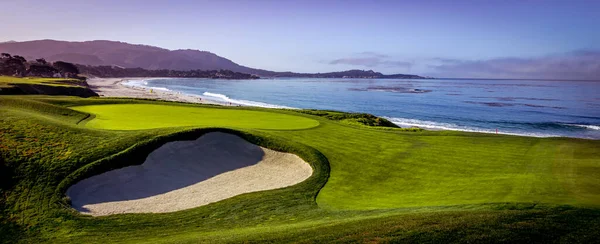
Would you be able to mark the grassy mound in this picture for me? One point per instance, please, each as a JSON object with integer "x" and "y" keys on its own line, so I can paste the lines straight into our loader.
{"x": 351, "y": 118}
{"x": 368, "y": 185}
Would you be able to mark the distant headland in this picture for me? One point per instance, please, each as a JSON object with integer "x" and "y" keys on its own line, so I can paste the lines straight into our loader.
{"x": 120, "y": 59}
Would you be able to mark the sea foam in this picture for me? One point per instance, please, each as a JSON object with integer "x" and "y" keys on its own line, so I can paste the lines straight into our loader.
{"x": 404, "y": 122}
{"x": 144, "y": 84}
{"x": 590, "y": 127}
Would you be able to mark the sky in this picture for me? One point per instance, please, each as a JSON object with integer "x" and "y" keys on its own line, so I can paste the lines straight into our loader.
{"x": 466, "y": 38}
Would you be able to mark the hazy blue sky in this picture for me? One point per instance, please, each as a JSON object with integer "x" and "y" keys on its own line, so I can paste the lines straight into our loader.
{"x": 447, "y": 38}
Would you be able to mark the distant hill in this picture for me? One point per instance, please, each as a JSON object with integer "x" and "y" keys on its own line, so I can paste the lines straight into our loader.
{"x": 125, "y": 55}
{"x": 365, "y": 74}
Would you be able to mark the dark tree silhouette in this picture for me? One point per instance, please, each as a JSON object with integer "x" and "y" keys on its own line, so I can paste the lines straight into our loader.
{"x": 22, "y": 59}
{"x": 39, "y": 70}
{"x": 14, "y": 66}
{"x": 41, "y": 61}
{"x": 112, "y": 71}
{"x": 66, "y": 68}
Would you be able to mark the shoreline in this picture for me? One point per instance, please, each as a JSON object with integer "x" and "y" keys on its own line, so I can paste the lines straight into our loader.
{"x": 113, "y": 87}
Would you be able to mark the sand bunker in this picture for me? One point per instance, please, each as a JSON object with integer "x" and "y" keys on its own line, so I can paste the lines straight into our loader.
{"x": 186, "y": 174}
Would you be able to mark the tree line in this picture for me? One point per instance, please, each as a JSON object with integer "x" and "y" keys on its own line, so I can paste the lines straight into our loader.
{"x": 114, "y": 71}
{"x": 19, "y": 66}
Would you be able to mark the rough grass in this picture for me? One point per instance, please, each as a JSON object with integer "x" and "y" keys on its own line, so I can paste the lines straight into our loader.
{"x": 351, "y": 118}
{"x": 382, "y": 185}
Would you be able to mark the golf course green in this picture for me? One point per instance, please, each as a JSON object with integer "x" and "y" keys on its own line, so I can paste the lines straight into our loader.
{"x": 149, "y": 116}
{"x": 369, "y": 184}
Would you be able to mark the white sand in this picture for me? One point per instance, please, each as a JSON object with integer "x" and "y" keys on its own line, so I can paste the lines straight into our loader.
{"x": 186, "y": 174}
{"x": 113, "y": 87}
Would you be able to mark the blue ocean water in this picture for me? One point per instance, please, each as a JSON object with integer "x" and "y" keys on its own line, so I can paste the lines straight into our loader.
{"x": 521, "y": 107}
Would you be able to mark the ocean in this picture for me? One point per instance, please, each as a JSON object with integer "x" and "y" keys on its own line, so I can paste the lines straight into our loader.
{"x": 540, "y": 108}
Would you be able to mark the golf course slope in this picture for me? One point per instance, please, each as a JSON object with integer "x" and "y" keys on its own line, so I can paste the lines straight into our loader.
{"x": 156, "y": 164}
{"x": 186, "y": 174}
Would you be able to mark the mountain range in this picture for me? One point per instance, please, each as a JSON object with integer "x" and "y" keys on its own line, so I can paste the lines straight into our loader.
{"x": 125, "y": 55}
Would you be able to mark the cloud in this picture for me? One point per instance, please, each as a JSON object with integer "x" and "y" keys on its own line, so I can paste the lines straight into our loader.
{"x": 582, "y": 64}
{"x": 374, "y": 54}
{"x": 368, "y": 62}
{"x": 447, "y": 60}
{"x": 371, "y": 60}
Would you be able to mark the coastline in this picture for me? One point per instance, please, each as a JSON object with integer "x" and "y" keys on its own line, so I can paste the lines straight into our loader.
{"x": 118, "y": 87}
{"x": 114, "y": 87}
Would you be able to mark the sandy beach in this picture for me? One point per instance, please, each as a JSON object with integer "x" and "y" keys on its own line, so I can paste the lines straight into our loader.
{"x": 114, "y": 87}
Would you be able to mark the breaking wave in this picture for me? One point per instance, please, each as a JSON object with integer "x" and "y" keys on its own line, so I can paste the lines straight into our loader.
{"x": 144, "y": 84}
{"x": 215, "y": 97}
{"x": 590, "y": 127}
{"x": 403, "y": 122}
{"x": 223, "y": 98}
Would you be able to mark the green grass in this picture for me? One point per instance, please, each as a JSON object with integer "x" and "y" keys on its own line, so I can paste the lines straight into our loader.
{"x": 369, "y": 184}
{"x": 8, "y": 81}
{"x": 435, "y": 170}
{"x": 149, "y": 116}
{"x": 384, "y": 169}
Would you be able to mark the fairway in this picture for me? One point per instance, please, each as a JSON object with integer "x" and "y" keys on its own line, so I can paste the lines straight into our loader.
{"x": 148, "y": 116}
{"x": 375, "y": 169}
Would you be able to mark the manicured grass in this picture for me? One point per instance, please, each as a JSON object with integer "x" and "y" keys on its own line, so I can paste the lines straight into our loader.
{"x": 148, "y": 116}
{"x": 385, "y": 169}
{"x": 369, "y": 185}
{"x": 404, "y": 170}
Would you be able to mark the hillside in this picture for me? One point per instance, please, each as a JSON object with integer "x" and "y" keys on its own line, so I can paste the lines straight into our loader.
{"x": 125, "y": 55}
{"x": 121, "y": 54}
